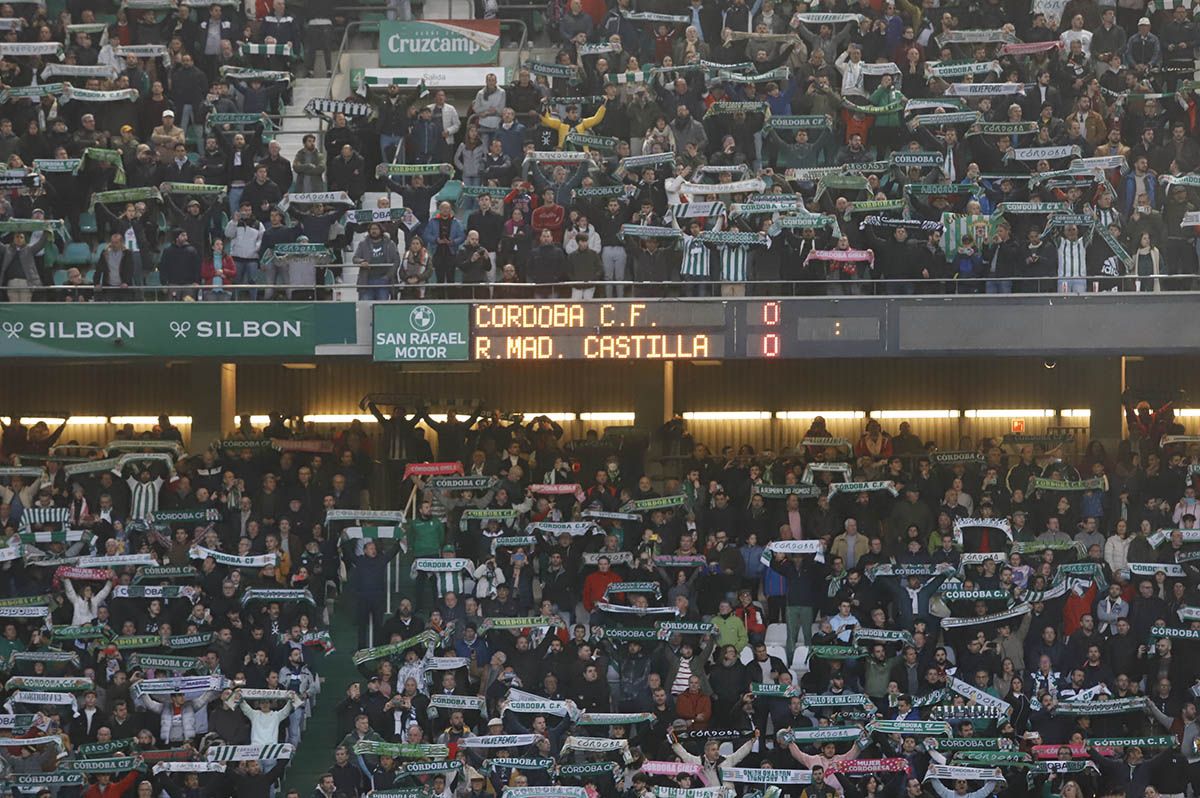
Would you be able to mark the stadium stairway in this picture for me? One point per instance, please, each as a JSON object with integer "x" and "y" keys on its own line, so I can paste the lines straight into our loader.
{"x": 314, "y": 755}
{"x": 295, "y": 124}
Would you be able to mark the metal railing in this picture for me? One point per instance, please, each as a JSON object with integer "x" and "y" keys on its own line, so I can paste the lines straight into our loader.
{"x": 670, "y": 289}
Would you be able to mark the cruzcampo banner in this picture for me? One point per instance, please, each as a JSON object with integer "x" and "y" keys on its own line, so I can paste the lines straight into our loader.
{"x": 424, "y": 43}
{"x": 200, "y": 329}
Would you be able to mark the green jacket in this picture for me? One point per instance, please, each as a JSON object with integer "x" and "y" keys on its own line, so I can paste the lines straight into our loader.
{"x": 426, "y": 537}
{"x": 731, "y": 631}
{"x": 884, "y": 96}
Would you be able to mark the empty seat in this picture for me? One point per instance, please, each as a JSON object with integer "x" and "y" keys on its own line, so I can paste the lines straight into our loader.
{"x": 776, "y": 635}
{"x": 77, "y": 253}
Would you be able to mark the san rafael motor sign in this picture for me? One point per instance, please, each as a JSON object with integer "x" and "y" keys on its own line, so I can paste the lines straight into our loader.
{"x": 121, "y": 329}
{"x": 439, "y": 43}
{"x": 415, "y": 331}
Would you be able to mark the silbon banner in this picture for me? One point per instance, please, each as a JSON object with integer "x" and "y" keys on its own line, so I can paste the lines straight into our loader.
{"x": 171, "y": 329}
{"x": 423, "y": 43}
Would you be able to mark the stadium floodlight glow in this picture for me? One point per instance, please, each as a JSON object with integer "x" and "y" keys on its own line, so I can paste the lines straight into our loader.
{"x": 1076, "y": 413}
{"x": 1187, "y": 412}
{"x": 530, "y": 415}
{"x": 606, "y": 416}
{"x": 1007, "y": 413}
{"x": 904, "y": 415}
{"x": 338, "y": 418}
{"x": 828, "y": 415}
{"x": 143, "y": 421}
{"x": 727, "y": 415}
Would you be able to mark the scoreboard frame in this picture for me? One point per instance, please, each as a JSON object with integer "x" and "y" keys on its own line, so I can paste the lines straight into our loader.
{"x": 615, "y": 329}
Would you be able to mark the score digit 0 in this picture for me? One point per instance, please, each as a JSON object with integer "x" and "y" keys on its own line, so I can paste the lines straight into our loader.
{"x": 770, "y": 345}
{"x": 770, "y": 314}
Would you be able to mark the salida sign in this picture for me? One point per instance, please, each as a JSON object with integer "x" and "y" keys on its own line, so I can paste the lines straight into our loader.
{"x": 411, "y": 331}
{"x": 439, "y": 43}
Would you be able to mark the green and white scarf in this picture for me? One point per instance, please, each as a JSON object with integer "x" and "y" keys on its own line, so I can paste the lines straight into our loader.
{"x": 1115, "y": 706}
{"x": 923, "y": 728}
{"x": 765, "y": 776}
{"x": 864, "y": 487}
{"x": 1009, "y": 614}
{"x": 790, "y": 547}
{"x": 234, "y": 560}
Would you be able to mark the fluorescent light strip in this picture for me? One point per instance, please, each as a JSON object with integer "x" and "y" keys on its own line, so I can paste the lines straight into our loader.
{"x": 828, "y": 415}
{"x": 147, "y": 421}
{"x": 1187, "y": 412}
{"x": 606, "y": 416}
{"x": 905, "y": 415}
{"x": 1003, "y": 413}
{"x": 728, "y": 415}
{"x": 1076, "y": 413}
{"x": 338, "y": 418}
{"x": 54, "y": 422}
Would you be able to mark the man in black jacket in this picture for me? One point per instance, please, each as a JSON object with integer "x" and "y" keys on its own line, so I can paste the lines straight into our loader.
{"x": 262, "y": 193}
{"x": 180, "y": 266}
{"x": 1001, "y": 257}
{"x": 370, "y": 574}
{"x": 547, "y": 264}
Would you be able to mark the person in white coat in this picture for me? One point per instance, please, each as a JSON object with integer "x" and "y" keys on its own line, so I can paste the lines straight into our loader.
{"x": 86, "y": 605}
{"x": 177, "y": 717}
{"x": 264, "y": 722}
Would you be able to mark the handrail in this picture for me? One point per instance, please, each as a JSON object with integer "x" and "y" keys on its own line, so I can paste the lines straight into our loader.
{"x": 335, "y": 69}
{"x": 773, "y": 288}
{"x": 524, "y": 30}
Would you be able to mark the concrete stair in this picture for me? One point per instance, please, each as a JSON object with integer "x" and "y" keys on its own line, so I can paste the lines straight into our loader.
{"x": 295, "y": 124}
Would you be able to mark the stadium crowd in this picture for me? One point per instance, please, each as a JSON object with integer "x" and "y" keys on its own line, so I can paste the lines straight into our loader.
{"x": 876, "y": 617}
{"x": 699, "y": 148}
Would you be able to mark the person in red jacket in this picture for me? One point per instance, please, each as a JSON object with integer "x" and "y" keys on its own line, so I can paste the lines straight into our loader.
{"x": 105, "y": 787}
{"x": 218, "y": 265}
{"x": 751, "y": 615}
{"x": 597, "y": 582}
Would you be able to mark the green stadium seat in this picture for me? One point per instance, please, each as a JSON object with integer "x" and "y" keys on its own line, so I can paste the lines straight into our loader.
{"x": 154, "y": 279}
{"x": 77, "y": 254}
{"x": 87, "y": 222}
{"x": 60, "y": 276}
{"x": 89, "y": 276}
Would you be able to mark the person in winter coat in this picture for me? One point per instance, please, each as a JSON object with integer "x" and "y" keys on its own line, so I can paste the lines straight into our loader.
{"x": 245, "y": 241}
{"x": 378, "y": 261}
{"x": 415, "y": 270}
{"x": 474, "y": 263}
{"x": 444, "y": 235}
{"x": 711, "y": 761}
{"x": 584, "y": 266}
{"x": 547, "y": 264}
{"x": 105, "y": 787}
{"x": 180, "y": 266}
{"x": 18, "y": 268}
{"x": 177, "y": 715}
{"x": 216, "y": 270}
{"x": 309, "y": 166}
{"x": 347, "y": 172}
{"x": 730, "y": 629}
{"x": 87, "y": 604}
{"x": 488, "y": 106}
{"x": 370, "y": 574}
{"x": 264, "y": 722}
